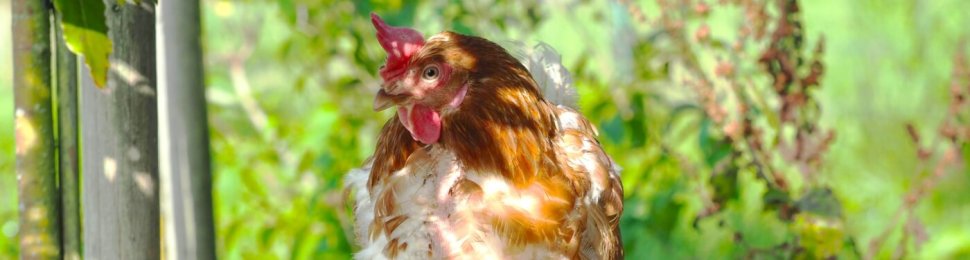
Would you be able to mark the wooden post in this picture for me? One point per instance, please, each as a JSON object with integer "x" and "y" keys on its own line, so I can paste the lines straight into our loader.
{"x": 120, "y": 142}
{"x": 36, "y": 161}
{"x": 67, "y": 134}
{"x": 184, "y": 135}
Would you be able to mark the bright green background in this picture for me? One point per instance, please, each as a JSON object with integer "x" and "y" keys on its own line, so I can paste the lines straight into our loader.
{"x": 312, "y": 74}
{"x": 8, "y": 180}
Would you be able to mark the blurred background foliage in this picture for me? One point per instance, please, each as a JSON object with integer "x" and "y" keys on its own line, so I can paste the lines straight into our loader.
{"x": 746, "y": 128}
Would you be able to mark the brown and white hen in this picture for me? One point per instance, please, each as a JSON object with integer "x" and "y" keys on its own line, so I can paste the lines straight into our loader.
{"x": 477, "y": 163}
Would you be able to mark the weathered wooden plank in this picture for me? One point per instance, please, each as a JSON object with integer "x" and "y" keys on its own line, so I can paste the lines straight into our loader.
{"x": 184, "y": 147}
{"x": 36, "y": 153}
{"x": 120, "y": 142}
{"x": 67, "y": 143}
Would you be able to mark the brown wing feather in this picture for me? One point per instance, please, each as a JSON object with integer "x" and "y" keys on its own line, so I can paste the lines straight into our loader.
{"x": 594, "y": 176}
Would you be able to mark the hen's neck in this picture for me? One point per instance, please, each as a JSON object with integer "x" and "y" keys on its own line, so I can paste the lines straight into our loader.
{"x": 504, "y": 126}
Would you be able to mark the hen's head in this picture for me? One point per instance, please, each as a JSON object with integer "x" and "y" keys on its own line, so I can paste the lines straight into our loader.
{"x": 429, "y": 80}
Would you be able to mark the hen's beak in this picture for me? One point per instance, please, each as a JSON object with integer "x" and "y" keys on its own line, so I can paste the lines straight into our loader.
{"x": 385, "y": 99}
{"x": 382, "y": 101}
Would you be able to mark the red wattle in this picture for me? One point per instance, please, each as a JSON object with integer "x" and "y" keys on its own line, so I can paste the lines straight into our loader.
{"x": 425, "y": 124}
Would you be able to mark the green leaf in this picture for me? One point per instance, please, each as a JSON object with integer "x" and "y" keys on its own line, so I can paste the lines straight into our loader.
{"x": 822, "y": 236}
{"x": 725, "y": 185}
{"x": 778, "y": 199}
{"x": 86, "y": 34}
{"x": 820, "y": 201}
{"x": 289, "y": 11}
{"x": 714, "y": 148}
{"x": 664, "y": 212}
{"x": 613, "y": 129}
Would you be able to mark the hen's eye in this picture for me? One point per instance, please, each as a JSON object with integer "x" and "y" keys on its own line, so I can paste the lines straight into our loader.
{"x": 430, "y": 73}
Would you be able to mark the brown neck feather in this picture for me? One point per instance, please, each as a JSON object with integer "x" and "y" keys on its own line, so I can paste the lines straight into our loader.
{"x": 394, "y": 146}
{"x": 504, "y": 125}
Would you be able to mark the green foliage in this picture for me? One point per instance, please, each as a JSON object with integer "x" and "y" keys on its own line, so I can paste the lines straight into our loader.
{"x": 820, "y": 236}
{"x": 86, "y": 34}
{"x": 695, "y": 119}
{"x": 9, "y": 245}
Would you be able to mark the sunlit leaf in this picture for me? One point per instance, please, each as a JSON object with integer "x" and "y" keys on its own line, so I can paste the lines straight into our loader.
{"x": 289, "y": 11}
{"x": 86, "y": 34}
{"x": 822, "y": 236}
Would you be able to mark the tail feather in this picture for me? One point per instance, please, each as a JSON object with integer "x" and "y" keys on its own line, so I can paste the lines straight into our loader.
{"x": 545, "y": 65}
{"x": 355, "y": 182}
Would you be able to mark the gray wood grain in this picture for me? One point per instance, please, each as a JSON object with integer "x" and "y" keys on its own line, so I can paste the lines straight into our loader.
{"x": 67, "y": 139}
{"x": 183, "y": 131}
{"x": 120, "y": 142}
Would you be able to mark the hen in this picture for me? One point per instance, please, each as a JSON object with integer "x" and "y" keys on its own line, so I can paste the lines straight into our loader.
{"x": 477, "y": 163}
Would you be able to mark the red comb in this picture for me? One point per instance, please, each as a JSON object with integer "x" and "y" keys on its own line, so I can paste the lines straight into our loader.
{"x": 399, "y": 43}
